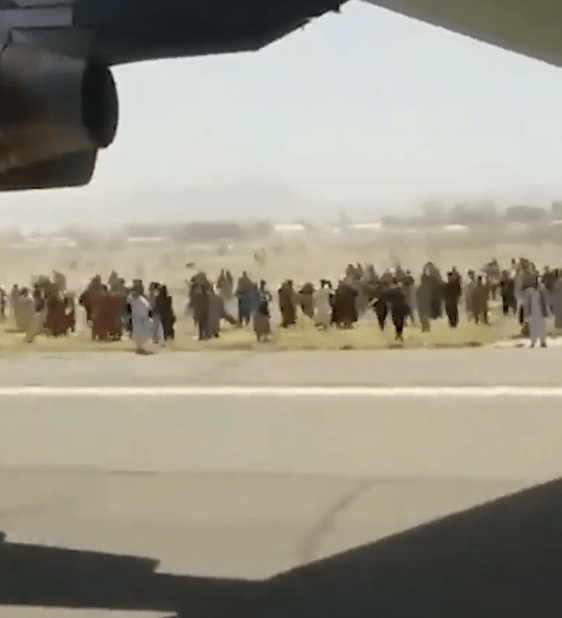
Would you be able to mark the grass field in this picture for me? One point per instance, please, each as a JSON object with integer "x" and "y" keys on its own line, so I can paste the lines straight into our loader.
{"x": 364, "y": 336}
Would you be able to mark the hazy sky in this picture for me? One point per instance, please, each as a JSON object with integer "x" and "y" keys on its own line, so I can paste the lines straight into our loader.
{"x": 366, "y": 108}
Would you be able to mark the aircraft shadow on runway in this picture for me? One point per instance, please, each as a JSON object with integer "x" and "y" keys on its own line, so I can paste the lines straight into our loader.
{"x": 500, "y": 559}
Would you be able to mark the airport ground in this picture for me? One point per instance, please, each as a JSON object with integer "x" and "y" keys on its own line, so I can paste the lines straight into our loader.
{"x": 245, "y": 464}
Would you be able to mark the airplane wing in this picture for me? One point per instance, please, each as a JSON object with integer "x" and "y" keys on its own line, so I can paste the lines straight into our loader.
{"x": 19, "y": 16}
{"x": 74, "y": 169}
{"x": 37, "y": 576}
{"x": 529, "y": 27}
{"x": 58, "y": 101}
{"x": 502, "y": 559}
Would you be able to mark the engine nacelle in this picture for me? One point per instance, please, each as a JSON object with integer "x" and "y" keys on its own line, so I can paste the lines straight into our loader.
{"x": 52, "y": 105}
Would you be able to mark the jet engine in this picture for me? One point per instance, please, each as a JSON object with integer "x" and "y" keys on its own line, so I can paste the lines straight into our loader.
{"x": 53, "y": 109}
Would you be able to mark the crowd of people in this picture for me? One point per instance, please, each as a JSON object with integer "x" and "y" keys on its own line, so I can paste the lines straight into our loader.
{"x": 393, "y": 294}
{"x": 112, "y": 310}
{"x": 115, "y": 310}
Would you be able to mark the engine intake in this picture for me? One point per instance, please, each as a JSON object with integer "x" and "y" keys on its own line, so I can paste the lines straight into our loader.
{"x": 52, "y": 105}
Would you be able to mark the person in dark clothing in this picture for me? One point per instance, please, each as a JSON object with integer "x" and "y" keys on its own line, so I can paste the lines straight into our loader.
{"x": 200, "y": 303}
{"x": 452, "y": 292}
{"x": 305, "y": 298}
{"x": 521, "y": 320}
{"x": 381, "y": 305}
{"x": 345, "y": 309}
{"x": 127, "y": 313}
{"x": 287, "y": 304}
{"x": 548, "y": 278}
{"x": 3, "y": 303}
{"x": 423, "y": 301}
{"x": 245, "y": 293}
{"x": 481, "y": 294}
{"x": 39, "y": 299}
{"x": 399, "y": 274}
{"x": 436, "y": 299}
{"x": 398, "y": 308}
{"x": 163, "y": 307}
{"x": 507, "y": 288}
{"x": 408, "y": 289}
{"x": 435, "y": 282}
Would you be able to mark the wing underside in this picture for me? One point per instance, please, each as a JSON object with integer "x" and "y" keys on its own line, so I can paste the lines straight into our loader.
{"x": 45, "y": 15}
{"x": 531, "y": 28}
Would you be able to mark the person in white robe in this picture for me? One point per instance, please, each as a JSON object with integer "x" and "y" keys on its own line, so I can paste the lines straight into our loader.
{"x": 468, "y": 293}
{"x": 535, "y": 306}
{"x": 322, "y": 306}
{"x": 27, "y": 320}
{"x": 143, "y": 328}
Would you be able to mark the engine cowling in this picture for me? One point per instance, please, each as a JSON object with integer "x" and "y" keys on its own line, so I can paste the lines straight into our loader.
{"x": 52, "y": 105}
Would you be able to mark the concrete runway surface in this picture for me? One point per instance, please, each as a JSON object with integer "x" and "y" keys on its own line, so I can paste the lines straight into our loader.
{"x": 145, "y": 456}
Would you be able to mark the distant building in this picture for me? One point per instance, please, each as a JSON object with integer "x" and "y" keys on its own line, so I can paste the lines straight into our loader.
{"x": 524, "y": 214}
{"x": 455, "y": 228}
{"x": 62, "y": 242}
{"x": 193, "y": 232}
{"x": 41, "y": 242}
{"x": 147, "y": 241}
{"x": 479, "y": 214}
{"x": 404, "y": 223}
{"x": 366, "y": 227}
{"x": 289, "y": 228}
{"x": 29, "y": 243}
{"x": 208, "y": 232}
{"x": 434, "y": 212}
{"x": 146, "y": 231}
{"x": 329, "y": 231}
{"x": 556, "y": 210}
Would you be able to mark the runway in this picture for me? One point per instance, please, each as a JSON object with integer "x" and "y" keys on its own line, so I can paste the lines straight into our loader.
{"x": 238, "y": 479}
{"x": 467, "y": 367}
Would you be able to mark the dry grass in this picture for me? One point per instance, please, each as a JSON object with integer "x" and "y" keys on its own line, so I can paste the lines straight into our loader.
{"x": 301, "y": 261}
{"x": 364, "y": 336}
